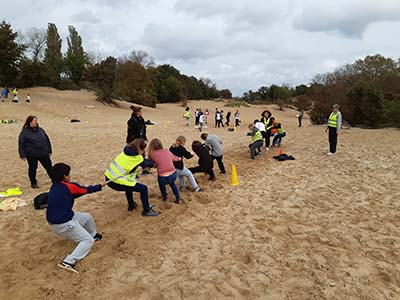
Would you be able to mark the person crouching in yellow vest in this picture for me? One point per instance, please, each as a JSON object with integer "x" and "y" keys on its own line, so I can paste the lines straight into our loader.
{"x": 257, "y": 141}
{"x": 121, "y": 175}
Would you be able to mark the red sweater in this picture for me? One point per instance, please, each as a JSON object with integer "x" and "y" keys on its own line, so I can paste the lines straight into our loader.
{"x": 164, "y": 161}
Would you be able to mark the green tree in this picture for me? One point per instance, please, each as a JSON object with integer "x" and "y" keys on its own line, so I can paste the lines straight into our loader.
{"x": 226, "y": 94}
{"x": 75, "y": 58}
{"x": 11, "y": 54}
{"x": 366, "y": 104}
{"x": 53, "y": 58}
{"x": 134, "y": 84}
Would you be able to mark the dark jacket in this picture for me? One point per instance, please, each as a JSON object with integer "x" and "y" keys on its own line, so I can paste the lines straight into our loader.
{"x": 181, "y": 152}
{"x": 61, "y": 200}
{"x": 33, "y": 142}
{"x": 136, "y": 128}
{"x": 205, "y": 160}
{"x": 268, "y": 124}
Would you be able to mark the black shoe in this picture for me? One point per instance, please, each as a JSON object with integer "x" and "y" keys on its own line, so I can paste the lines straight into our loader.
{"x": 35, "y": 186}
{"x": 97, "y": 237}
{"x": 150, "y": 213}
{"x": 132, "y": 206}
{"x": 66, "y": 266}
{"x": 178, "y": 201}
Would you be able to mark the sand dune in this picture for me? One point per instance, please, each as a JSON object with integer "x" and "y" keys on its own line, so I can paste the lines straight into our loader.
{"x": 315, "y": 228}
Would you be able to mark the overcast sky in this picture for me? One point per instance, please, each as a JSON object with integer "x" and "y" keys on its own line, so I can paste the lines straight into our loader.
{"x": 239, "y": 44}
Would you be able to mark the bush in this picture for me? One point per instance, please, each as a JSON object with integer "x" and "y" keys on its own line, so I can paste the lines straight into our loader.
{"x": 68, "y": 84}
{"x": 236, "y": 103}
{"x": 392, "y": 113}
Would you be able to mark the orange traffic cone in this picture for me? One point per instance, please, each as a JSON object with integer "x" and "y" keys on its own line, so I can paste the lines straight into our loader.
{"x": 234, "y": 178}
{"x": 280, "y": 151}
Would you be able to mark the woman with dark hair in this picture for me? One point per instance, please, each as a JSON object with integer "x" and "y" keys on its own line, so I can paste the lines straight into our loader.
{"x": 136, "y": 125}
{"x": 266, "y": 118}
{"x": 205, "y": 161}
{"x": 33, "y": 146}
{"x": 121, "y": 175}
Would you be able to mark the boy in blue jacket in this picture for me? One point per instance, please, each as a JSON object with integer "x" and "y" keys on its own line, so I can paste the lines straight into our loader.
{"x": 76, "y": 226}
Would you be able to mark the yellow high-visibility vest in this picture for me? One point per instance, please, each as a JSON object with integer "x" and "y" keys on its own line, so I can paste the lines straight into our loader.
{"x": 266, "y": 121}
{"x": 257, "y": 136}
{"x": 332, "y": 121}
{"x": 119, "y": 169}
{"x": 186, "y": 114}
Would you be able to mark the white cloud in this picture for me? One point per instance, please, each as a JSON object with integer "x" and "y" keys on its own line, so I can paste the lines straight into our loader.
{"x": 239, "y": 44}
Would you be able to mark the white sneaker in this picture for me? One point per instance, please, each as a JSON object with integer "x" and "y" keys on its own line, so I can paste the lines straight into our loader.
{"x": 330, "y": 154}
{"x": 66, "y": 266}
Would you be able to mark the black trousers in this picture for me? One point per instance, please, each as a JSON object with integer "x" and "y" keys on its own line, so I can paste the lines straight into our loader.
{"x": 220, "y": 163}
{"x": 300, "y": 119}
{"x": 200, "y": 169}
{"x": 227, "y": 121}
{"x": 45, "y": 161}
{"x": 332, "y": 139}
{"x": 237, "y": 122}
{"x": 267, "y": 136}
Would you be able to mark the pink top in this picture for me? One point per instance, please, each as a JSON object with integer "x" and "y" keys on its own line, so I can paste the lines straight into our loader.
{"x": 164, "y": 161}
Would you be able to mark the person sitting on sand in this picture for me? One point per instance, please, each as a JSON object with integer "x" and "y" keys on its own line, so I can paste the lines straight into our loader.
{"x": 121, "y": 175}
{"x": 178, "y": 149}
{"x": 205, "y": 161}
{"x": 164, "y": 162}
{"x": 257, "y": 141}
{"x": 76, "y": 226}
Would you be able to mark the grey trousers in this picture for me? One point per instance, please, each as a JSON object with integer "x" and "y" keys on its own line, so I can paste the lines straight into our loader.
{"x": 186, "y": 173}
{"x": 255, "y": 148}
{"x": 81, "y": 229}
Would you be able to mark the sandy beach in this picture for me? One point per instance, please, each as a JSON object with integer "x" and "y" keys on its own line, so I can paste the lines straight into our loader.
{"x": 317, "y": 227}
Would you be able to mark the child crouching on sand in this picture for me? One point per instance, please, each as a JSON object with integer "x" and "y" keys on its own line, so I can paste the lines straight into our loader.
{"x": 179, "y": 150}
{"x": 257, "y": 141}
{"x": 76, "y": 226}
{"x": 164, "y": 160}
{"x": 205, "y": 161}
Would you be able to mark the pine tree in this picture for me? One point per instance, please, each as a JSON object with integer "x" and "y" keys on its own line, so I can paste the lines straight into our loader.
{"x": 53, "y": 58}
{"x": 75, "y": 59}
{"x": 10, "y": 55}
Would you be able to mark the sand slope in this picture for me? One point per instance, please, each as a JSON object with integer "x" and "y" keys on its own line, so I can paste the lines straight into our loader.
{"x": 315, "y": 228}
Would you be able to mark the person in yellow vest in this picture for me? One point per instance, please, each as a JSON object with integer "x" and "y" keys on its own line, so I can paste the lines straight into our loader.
{"x": 121, "y": 175}
{"x": 187, "y": 115}
{"x": 333, "y": 127}
{"x": 257, "y": 141}
{"x": 266, "y": 118}
{"x": 280, "y": 133}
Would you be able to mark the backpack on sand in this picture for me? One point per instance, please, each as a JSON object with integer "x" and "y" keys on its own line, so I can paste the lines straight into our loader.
{"x": 40, "y": 201}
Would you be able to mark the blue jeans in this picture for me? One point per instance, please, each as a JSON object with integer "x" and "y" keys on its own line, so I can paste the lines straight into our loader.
{"x": 170, "y": 180}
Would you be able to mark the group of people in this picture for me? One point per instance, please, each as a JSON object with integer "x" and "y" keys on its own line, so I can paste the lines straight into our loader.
{"x": 263, "y": 129}
{"x": 122, "y": 173}
{"x": 4, "y": 95}
{"x": 121, "y": 176}
{"x": 202, "y": 118}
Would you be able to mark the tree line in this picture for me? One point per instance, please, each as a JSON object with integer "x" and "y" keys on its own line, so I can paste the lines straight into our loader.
{"x": 368, "y": 92}
{"x": 36, "y": 59}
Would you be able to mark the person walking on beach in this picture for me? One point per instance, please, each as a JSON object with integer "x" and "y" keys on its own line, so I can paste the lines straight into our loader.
{"x": 333, "y": 127}
{"x": 187, "y": 115}
{"x": 300, "y": 117}
{"x": 34, "y": 146}
{"x": 237, "y": 118}
{"x": 228, "y": 118}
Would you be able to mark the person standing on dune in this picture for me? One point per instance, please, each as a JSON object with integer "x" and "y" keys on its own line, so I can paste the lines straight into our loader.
{"x": 333, "y": 126}
{"x": 136, "y": 125}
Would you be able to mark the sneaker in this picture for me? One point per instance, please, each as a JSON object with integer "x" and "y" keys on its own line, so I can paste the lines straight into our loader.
{"x": 267, "y": 148}
{"x": 34, "y": 186}
{"x": 330, "y": 154}
{"x": 178, "y": 201}
{"x": 66, "y": 266}
{"x": 212, "y": 179}
{"x": 197, "y": 189}
{"x": 150, "y": 213}
{"x": 164, "y": 199}
{"x": 183, "y": 189}
{"x": 131, "y": 207}
{"x": 97, "y": 237}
